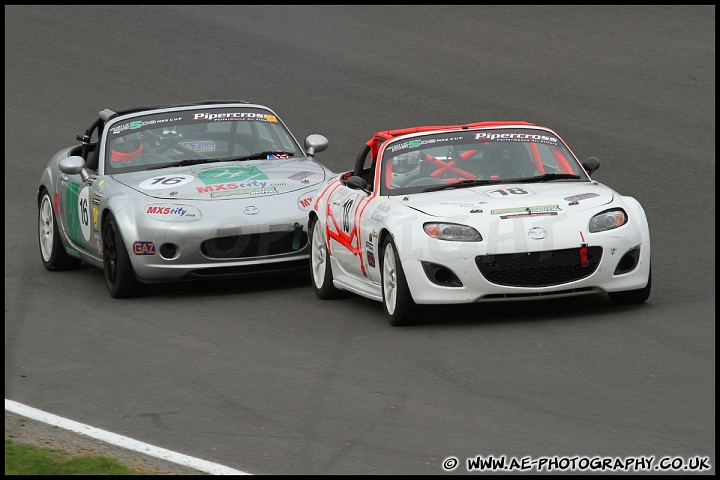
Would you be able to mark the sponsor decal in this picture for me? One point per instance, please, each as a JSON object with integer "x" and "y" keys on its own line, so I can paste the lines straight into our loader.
{"x": 134, "y": 125}
{"x": 172, "y": 212}
{"x": 371, "y": 259}
{"x": 230, "y": 186}
{"x": 462, "y": 204}
{"x": 581, "y": 196}
{"x": 278, "y": 156}
{"x": 421, "y": 142}
{"x": 212, "y": 176}
{"x": 245, "y": 191}
{"x": 529, "y": 215}
{"x": 166, "y": 181}
{"x": 199, "y": 145}
{"x": 369, "y": 245}
{"x": 98, "y": 246}
{"x": 218, "y": 117}
{"x": 379, "y": 214}
{"x": 515, "y": 137}
{"x": 73, "y": 212}
{"x": 144, "y": 248}
{"x": 95, "y": 217}
{"x": 250, "y": 210}
{"x": 300, "y": 175}
{"x": 305, "y": 202}
{"x": 56, "y": 203}
{"x": 534, "y": 209}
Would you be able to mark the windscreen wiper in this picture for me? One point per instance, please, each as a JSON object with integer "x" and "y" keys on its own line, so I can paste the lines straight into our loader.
{"x": 545, "y": 178}
{"x": 196, "y": 161}
{"x": 185, "y": 163}
{"x": 462, "y": 184}
{"x": 259, "y": 155}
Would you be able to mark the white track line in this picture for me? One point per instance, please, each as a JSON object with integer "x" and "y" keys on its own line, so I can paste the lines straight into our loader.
{"x": 119, "y": 440}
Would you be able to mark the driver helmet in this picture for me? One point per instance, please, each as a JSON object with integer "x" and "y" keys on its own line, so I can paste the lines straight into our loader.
{"x": 404, "y": 167}
{"x": 126, "y": 150}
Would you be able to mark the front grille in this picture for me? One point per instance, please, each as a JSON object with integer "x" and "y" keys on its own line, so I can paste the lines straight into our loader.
{"x": 257, "y": 270}
{"x": 538, "y": 269}
{"x": 254, "y": 245}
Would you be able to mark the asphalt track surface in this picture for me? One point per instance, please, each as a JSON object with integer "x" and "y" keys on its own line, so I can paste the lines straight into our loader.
{"x": 263, "y": 377}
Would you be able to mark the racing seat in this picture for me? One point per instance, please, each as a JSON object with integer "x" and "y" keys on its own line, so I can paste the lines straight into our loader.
{"x": 507, "y": 160}
{"x": 93, "y": 158}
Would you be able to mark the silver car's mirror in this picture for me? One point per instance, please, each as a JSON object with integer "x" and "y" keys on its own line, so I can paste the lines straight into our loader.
{"x": 74, "y": 165}
{"x": 315, "y": 143}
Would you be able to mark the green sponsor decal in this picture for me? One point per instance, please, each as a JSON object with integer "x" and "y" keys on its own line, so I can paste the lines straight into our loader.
{"x": 234, "y": 174}
{"x": 72, "y": 215}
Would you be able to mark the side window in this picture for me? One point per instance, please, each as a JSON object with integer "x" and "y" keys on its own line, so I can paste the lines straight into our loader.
{"x": 275, "y": 137}
{"x": 556, "y": 159}
{"x": 265, "y": 138}
{"x": 365, "y": 165}
{"x": 368, "y": 172}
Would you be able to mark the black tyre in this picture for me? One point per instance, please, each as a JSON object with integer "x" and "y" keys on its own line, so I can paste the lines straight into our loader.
{"x": 632, "y": 296}
{"x": 320, "y": 271}
{"x": 400, "y": 309}
{"x": 52, "y": 251}
{"x": 120, "y": 277}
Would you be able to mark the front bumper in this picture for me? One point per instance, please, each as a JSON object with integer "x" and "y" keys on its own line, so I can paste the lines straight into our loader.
{"x": 447, "y": 274}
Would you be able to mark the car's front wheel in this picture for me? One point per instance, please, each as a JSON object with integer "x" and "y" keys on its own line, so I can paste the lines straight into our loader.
{"x": 320, "y": 270}
{"x": 52, "y": 251}
{"x": 400, "y": 309}
{"x": 120, "y": 277}
{"x": 632, "y": 296}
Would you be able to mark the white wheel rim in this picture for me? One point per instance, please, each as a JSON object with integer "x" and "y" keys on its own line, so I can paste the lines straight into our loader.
{"x": 389, "y": 279}
{"x": 318, "y": 255}
{"x": 45, "y": 228}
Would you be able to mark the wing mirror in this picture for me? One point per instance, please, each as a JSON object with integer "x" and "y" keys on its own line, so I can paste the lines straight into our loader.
{"x": 591, "y": 164}
{"x": 74, "y": 165}
{"x": 315, "y": 143}
{"x": 356, "y": 182}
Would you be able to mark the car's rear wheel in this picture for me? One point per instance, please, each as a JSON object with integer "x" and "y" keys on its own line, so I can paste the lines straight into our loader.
{"x": 632, "y": 296}
{"x": 320, "y": 270}
{"x": 120, "y": 277}
{"x": 398, "y": 304}
{"x": 52, "y": 251}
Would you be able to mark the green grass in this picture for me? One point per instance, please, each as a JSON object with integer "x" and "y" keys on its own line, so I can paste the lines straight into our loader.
{"x": 29, "y": 460}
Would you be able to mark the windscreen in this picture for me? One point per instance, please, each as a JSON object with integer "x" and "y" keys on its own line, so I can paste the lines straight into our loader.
{"x": 209, "y": 133}
{"x": 413, "y": 164}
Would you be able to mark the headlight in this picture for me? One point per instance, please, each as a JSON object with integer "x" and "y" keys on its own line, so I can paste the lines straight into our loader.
{"x": 453, "y": 232}
{"x": 608, "y": 220}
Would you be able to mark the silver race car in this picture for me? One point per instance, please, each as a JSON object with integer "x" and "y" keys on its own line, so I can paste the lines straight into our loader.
{"x": 180, "y": 192}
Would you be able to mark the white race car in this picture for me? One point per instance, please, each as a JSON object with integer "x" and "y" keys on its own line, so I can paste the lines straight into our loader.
{"x": 487, "y": 211}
